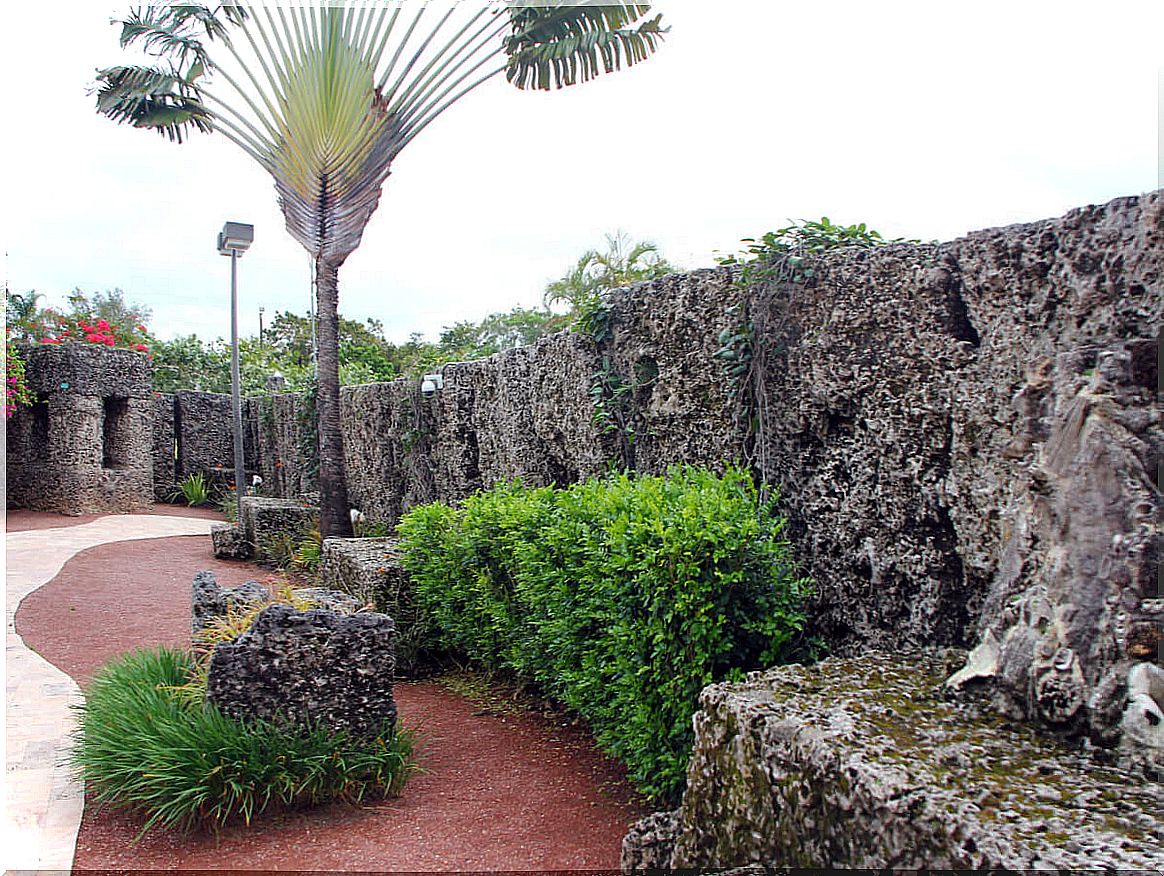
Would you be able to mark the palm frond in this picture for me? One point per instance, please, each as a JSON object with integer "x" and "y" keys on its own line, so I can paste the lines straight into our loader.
{"x": 561, "y": 45}
{"x": 152, "y": 97}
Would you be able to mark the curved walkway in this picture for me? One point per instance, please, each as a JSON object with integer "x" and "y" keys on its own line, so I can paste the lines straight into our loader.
{"x": 43, "y": 802}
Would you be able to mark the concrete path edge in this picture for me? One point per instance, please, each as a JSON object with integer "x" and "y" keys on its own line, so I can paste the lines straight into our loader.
{"x": 43, "y": 801}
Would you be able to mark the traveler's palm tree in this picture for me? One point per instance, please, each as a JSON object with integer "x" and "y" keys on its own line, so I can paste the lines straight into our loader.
{"x": 325, "y": 99}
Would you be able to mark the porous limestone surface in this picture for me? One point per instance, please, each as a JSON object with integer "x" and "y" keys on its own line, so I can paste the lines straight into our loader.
{"x": 369, "y": 569}
{"x": 229, "y": 542}
{"x": 210, "y": 600}
{"x": 866, "y": 762}
{"x": 267, "y": 520}
{"x": 85, "y": 444}
{"x": 309, "y": 668}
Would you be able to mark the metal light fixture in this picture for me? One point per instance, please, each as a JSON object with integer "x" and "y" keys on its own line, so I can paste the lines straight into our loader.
{"x": 235, "y": 239}
{"x": 431, "y": 383}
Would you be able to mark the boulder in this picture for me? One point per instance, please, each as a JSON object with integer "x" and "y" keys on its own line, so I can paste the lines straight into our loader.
{"x": 305, "y": 669}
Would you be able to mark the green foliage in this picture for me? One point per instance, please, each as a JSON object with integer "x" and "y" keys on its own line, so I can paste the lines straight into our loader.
{"x": 22, "y": 315}
{"x": 16, "y": 391}
{"x": 228, "y": 505}
{"x": 194, "y": 489}
{"x": 309, "y": 550}
{"x": 372, "y": 529}
{"x": 787, "y": 253}
{"x": 586, "y": 285}
{"x": 622, "y": 597}
{"x": 184, "y": 765}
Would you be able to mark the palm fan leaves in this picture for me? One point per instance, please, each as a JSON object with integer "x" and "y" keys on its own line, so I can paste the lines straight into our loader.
{"x": 325, "y": 98}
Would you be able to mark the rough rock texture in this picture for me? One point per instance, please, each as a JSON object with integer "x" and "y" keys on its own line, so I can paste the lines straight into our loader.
{"x": 663, "y": 339}
{"x": 855, "y": 400}
{"x": 524, "y": 413}
{"x": 270, "y": 523}
{"x": 210, "y": 600}
{"x": 165, "y": 449}
{"x": 964, "y": 435}
{"x": 965, "y": 439}
{"x": 307, "y": 668}
{"x": 650, "y": 843}
{"x": 229, "y": 542}
{"x": 863, "y": 763}
{"x": 387, "y": 429}
{"x": 280, "y": 430}
{"x": 204, "y": 435}
{"x": 86, "y": 445}
{"x": 1055, "y": 450}
{"x": 369, "y": 569}
{"x": 328, "y": 599}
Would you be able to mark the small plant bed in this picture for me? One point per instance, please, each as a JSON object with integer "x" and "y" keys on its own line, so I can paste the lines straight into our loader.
{"x": 144, "y": 745}
{"x": 149, "y": 740}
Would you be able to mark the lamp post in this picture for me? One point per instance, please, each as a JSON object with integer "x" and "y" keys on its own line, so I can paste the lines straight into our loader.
{"x": 234, "y": 239}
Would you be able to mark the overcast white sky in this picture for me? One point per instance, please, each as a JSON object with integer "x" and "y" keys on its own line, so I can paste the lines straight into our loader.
{"x": 922, "y": 119}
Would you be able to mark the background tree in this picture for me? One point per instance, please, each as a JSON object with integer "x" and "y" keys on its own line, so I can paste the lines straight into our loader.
{"x": 22, "y": 314}
{"x": 624, "y": 262}
{"x": 324, "y": 99}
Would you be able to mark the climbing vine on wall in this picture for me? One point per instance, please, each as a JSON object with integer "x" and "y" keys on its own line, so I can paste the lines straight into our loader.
{"x": 777, "y": 259}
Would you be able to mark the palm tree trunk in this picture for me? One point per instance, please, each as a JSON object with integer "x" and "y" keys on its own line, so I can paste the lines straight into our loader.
{"x": 334, "y": 512}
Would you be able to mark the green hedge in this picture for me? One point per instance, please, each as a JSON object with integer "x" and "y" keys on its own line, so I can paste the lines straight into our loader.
{"x": 623, "y": 597}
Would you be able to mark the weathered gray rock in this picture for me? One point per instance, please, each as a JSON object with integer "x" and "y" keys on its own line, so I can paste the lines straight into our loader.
{"x": 863, "y": 763}
{"x": 328, "y": 599}
{"x": 210, "y": 600}
{"x": 229, "y": 542}
{"x": 165, "y": 480}
{"x": 268, "y": 524}
{"x": 370, "y": 570}
{"x": 86, "y": 445}
{"x": 279, "y": 428}
{"x": 649, "y": 844}
{"x": 1142, "y": 721}
{"x": 309, "y": 668}
{"x": 964, "y": 436}
{"x": 204, "y": 434}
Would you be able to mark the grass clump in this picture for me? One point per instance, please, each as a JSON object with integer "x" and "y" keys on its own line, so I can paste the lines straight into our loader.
{"x": 621, "y": 597}
{"x": 142, "y": 744}
{"x": 194, "y": 490}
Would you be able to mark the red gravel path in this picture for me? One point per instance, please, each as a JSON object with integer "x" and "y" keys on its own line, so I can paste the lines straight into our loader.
{"x": 502, "y": 792}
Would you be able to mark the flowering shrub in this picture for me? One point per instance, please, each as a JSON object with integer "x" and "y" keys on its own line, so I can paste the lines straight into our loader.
{"x": 16, "y": 391}
{"x": 59, "y": 329}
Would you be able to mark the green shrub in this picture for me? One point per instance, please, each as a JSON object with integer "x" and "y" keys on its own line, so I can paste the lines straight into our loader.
{"x": 622, "y": 597}
{"x": 194, "y": 489}
{"x": 184, "y": 764}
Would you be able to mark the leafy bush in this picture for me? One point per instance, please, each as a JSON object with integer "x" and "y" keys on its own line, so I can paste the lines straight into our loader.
{"x": 184, "y": 764}
{"x": 622, "y": 597}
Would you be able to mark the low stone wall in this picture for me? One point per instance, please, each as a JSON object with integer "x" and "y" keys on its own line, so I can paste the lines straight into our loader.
{"x": 864, "y": 763}
{"x": 269, "y": 524}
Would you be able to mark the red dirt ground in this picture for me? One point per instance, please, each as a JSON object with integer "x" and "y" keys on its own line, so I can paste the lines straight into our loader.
{"x": 502, "y": 792}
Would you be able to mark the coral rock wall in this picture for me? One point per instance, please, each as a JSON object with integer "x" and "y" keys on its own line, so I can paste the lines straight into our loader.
{"x": 964, "y": 436}
{"x": 86, "y": 445}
